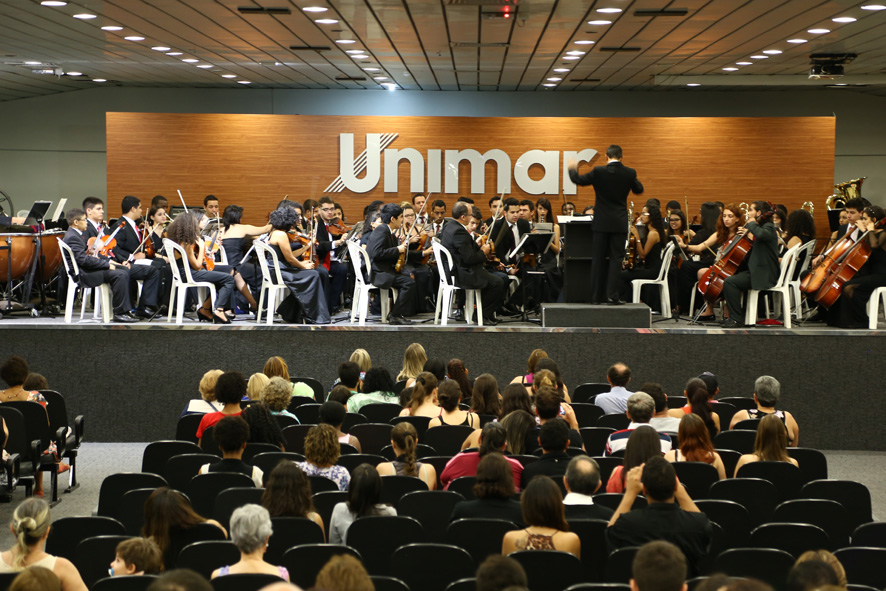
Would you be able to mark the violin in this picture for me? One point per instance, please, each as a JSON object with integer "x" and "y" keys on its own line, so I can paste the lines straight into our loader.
{"x": 342, "y": 228}
{"x": 105, "y": 250}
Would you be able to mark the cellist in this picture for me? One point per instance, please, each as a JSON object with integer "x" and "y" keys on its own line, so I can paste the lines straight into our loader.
{"x": 763, "y": 267}
{"x": 851, "y": 308}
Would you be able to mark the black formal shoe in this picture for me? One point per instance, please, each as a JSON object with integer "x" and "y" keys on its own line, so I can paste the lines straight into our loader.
{"x": 616, "y": 302}
{"x": 125, "y": 318}
{"x": 732, "y": 323}
{"x": 399, "y": 321}
{"x": 490, "y": 321}
{"x": 146, "y": 314}
{"x": 458, "y": 315}
{"x": 155, "y": 311}
{"x": 817, "y": 317}
{"x": 710, "y": 318}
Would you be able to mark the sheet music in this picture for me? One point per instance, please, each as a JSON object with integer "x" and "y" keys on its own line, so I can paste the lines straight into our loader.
{"x": 58, "y": 210}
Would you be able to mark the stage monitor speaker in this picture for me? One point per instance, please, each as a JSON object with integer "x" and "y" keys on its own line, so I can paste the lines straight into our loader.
{"x": 596, "y": 316}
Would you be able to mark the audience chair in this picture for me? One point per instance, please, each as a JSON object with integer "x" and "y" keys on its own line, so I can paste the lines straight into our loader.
{"x": 549, "y": 570}
{"x": 410, "y": 564}
{"x": 294, "y": 437}
{"x": 389, "y": 584}
{"x": 854, "y": 496}
{"x": 322, "y": 484}
{"x": 360, "y": 300}
{"x": 448, "y": 287}
{"x": 480, "y": 537}
{"x": 254, "y": 448}
{"x": 594, "y": 552}
{"x": 874, "y": 307}
{"x": 115, "y": 485}
{"x": 304, "y": 562}
{"x": 93, "y": 556}
{"x": 616, "y": 421}
{"x": 422, "y": 451}
{"x": 766, "y": 564}
{"x": 739, "y": 402}
{"x": 124, "y": 583}
{"x": 872, "y": 535}
{"x": 803, "y": 262}
{"x": 377, "y": 537}
{"x": 132, "y": 510}
{"x": 725, "y": 411}
{"x": 182, "y": 282}
{"x": 431, "y": 508}
{"x": 829, "y": 515}
{"x": 756, "y": 495}
{"x": 466, "y": 584}
{"x": 618, "y": 565}
{"x": 316, "y": 386}
{"x": 747, "y": 425}
{"x": 325, "y": 502}
{"x": 464, "y": 485}
{"x": 180, "y": 469}
{"x": 20, "y": 468}
{"x": 439, "y": 464}
{"x": 37, "y": 431}
{"x": 607, "y": 464}
{"x": 420, "y": 423}
{"x": 267, "y": 461}
{"x": 284, "y": 421}
{"x": 697, "y": 477}
{"x": 297, "y": 401}
{"x": 595, "y": 439}
{"x": 525, "y": 459}
{"x": 782, "y": 287}
{"x": 373, "y": 436}
{"x": 587, "y": 391}
{"x": 66, "y": 533}
{"x": 186, "y": 428}
{"x": 272, "y": 284}
{"x": 57, "y": 410}
{"x": 613, "y": 500}
{"x": 787, "y": 478}
{"x": 587, "y": 415}
{"x": 394, "y": 487}
{"x": 730, "y": 459}
{"x": 381, "y": 412}
{"x": 244, "y": 582}
{"x": 813, "y": 463}
{"x": 864, "y": 566}
{"x": 351, "y": 419}
{"x": 351, "y": 461}
{"x": 740, "y": 441}
{"x": 677, "y": 401}
{"x": 202, "y": 532}
{"x": 793, "y": 538}
{"x": 231, "y": 499}
{"x": 290, "y": 532}
{"x": 103, "y": 296}
{"x": 661, "y": 281}
{"x": 157, "y": 453}
{"x": 207, "y": 443}
{"x": 205, "y": 557}
{"x": 308, "y": 414}
{"x": 204, "y": 488}
{"x": 447, "y": 439}
{"x": 729, "y": 515}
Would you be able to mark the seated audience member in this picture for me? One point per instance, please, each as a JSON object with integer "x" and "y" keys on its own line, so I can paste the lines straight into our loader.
{"x": 485, "y": 398}
{"x": 276, "y": 367}
{"x": 231, "y": 434}
{"x": 829, "y": 558}
{"x": 180, "y": 579}
{"x": 515, "y": 397}
{"x": 548, "y": 364}
{"x": 767, "y": 391}
{"x": 36, "y": 578}
{"x": 207, "y": 402}
{"x": 582, "y": 480}
{"x": 616, "y": 400}
{"x": 498, "y": 573}
{"x": 333, "y": 413}
{"x": 277, "y": 395}
{"x": 414, "y": 360}
{"x": 343, "y": 572}
{"x": 230, "y": 388}
{"x": 493, "y": 438}
{"x": 548, "y": 407}
{"x": 255, "y": 385}
{"x": 424, "y": 397}
{"x": 263, "y": 428}
{"x": 168, "y": 517}
{"x": 770, "y": 445}
{"x": 404, "y": 440}
{"x": 321, "y": 454}
{"x": 641, "y": 406}
{"x": 547, "y": 529}
{"x": 661, "y": 420}
{"x": 250, "y": 531}
{"x": 526, "y": 380}
{"x": 361, "y": 357}
{"x": 671, "y": 515}
{"x": 340, "y": 394}
{"x": 494, "y": 491}
{"x": 699, "y": 397}
{"x": 363, "y": 500}
{"x": 288, "y": 494}
{"x": 695, "y": 445}
{"x": 30, "y": 526}
{"x": 137, "y": 556}
{"x": 449, "y": 396}
{"x": 554, "y": 440}
{"x": 350, "y": 376}
{"x": 457, "y": 372}
{"x": 517, "y": 424}
{"x": 377, "y": 387}
{"x": 658, "y": 566}
{"x": 35, "y": 382}
{"x": 811, "y": 575}
{"x": 644, "y": 443}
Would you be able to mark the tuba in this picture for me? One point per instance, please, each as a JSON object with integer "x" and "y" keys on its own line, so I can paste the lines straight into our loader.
{"x": 843, "y": 192}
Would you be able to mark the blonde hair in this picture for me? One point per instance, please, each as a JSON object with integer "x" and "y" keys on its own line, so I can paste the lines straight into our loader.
{"x": 276, "y": 367}
{"x": 30, "y": 522}
{"x": 414, "y": 360}
{"x": 207, "y": 384}
{"x": 542, "y": 378}
{"x": 828, "y": 558}
{"x": 344, "y": 573}
{"x": 255, "y": 385}
{"x": 361, "y": 357}
{"x": 277, "y": 394}
{"x": 36, "y": 577}
{"x": 533, "y": 359}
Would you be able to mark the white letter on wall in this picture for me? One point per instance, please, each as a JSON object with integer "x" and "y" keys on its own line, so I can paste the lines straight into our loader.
{"x": 549, "y": 160}
{"x": 370, "y": 160}
{"x": 434, "y": 159}
{"x": 585, "y": 155}
{"x": 478, "y": 170}
{"x": 416, "y": 169}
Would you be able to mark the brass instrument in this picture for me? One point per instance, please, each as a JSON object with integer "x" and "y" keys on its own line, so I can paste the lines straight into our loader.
{"x": 808, "y": 206}
{"x": 843, "y": 192}
{"x": 744, "y": 207}
{"x": 631, "y": 242}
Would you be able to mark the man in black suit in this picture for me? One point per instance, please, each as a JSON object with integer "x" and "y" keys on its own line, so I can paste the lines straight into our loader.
{"x": 129, "y": 238}
{"x": 95, "y": 214}
{"x": 95, "y": 270}
{"x": 468, "y": 258}
{"x": 384, "y": 251}
{"x": 327, "y": 247}
{"x": 582, "y": 480}
{"x": 508, "y": 230}
{"x": 612, "y": 183}
{"x": 438, "y": 217}
{"x": 554, "y": 439}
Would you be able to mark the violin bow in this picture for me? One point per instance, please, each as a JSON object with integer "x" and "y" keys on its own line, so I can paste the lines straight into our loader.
{"x": 182, "y": 200}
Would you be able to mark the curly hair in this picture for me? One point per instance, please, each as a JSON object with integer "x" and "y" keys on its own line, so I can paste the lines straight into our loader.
{"x": 321, "y": 446}
{"x": 277, "y": 394}
{"x": 287, "y": 492}
{"x": 343, "y": 572}
{"x": 207, "y": 384}
{"x": 184, "y": 229}
{"x": 14, "y": 371}
{"x": 722, "y": 230}
{"x": 459, "y": 374}
{"x": 283, "y": 218}
{"x": 263, "y": 428}
{"x": 405, "y": 438}
{"x": 800, "y": 223}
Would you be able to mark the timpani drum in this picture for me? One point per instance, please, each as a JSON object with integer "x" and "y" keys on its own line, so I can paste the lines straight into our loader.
{"x": 19, "y": 250}
{"x": 51, "y": 253}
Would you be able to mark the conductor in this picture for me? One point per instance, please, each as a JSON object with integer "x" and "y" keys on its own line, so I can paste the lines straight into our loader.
{"x": 612, "y": 183}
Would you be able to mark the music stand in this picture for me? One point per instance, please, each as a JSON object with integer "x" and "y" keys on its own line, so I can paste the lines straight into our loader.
{"x": 37, "y": 213}
{"x": 536, "y": 244}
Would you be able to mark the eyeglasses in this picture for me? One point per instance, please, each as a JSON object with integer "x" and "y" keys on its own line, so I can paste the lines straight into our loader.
{"x": 672, "y": 220}
{"x": 327, "y": 209}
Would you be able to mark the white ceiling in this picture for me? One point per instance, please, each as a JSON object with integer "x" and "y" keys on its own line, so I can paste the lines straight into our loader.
{"x": 435, "y": 44}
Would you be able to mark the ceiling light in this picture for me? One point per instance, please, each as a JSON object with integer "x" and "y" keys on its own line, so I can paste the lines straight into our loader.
{"x": 600, "y": 22}
{"x": 85, "y": 16}
{"x": 576, "y": 52}
{"x": 390, "y": 86}
{"x": 204, "y": 66}
{"x": 161, "y": 48}
{"x": 359, "y": 56}
{"x": 730, "y": 69}
{"x": 584, "y": 42}
{"x": 796, "y": 41}
{"x": 33, "y": 63}
{"x": 53, "y": 3}
{"x": 190, "y": 60}
{"x": 693, "y": 84}
{"x": 243, "y": 82}
{"x": 771, "y": 51}
{"x": 355, "y": 51}
{"x": 175, "y": 53}
{"x": 743, "y": 63}
{"x": 371, "y": 69}
{"x": 561, "y": 70}
{"x": 609, "y": 10}
{"x": 759, "y": 57}
{"x": 228, "y": 75}
{"x": 844, "y": 19}
{"x": 818, "y": 31}
{"x": 549, "y": 85}
{"x": 571, "y": 57}
{"x": 873, "y": 7}
{"x": 554, "y": 79}
{"x": 134, "y": 38}
{"x": 380, "y": 78}
{"x": 315, "y": 9}
{"x": 75, "y": 73}
{"x": 345, "y": 41}
{"x": 325, "y": 21}
{"x": 99, "y": 80}
{"x": 112, "y": 28}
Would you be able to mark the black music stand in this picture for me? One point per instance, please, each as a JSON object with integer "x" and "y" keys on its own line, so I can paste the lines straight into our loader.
{"x": 536, "y": 244}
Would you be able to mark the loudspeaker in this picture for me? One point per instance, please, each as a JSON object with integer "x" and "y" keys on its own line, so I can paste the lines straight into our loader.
{"x": 596, "y": 316}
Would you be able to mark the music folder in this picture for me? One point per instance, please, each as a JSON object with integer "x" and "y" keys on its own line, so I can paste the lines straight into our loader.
{"x": 37, "y": 213}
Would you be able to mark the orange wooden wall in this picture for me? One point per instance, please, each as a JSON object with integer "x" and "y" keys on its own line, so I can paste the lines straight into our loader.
{"x": 254, "y": 160}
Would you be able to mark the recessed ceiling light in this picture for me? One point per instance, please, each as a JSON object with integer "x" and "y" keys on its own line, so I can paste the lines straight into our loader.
{"x": 345, "y": 41}
{"x": 190, "y": 60}
{"x": 693, "y": 84}
{"x": 759, "y": 57}
{"x": 175, "y": 53}
{"x": 873, "y": 7}
{"x": 553, "y": 79}
{"x": 389, "y": 85}
{"x": 840, "y": 84}
{"x": 379, "y": 77}
{"x": 99, "y": 80}
{"x": 743, "y": 63}
{"x": 315, "y": 9}
{"x": 576, "y": 52}
{"x": 228, "y": 75}
{"x": 549, "y": 85}
{"x": 600, "y": 23}
{"x": 161, "y": 48}
{"x": 371, "y": 69}
{"x": 85, "y": 16}
{"x": 730, "y": 69}
{"x": 134, "y": 38}
{"x": 771, "y": 51}
{"x": 609, "y": 10}
{"x": 844, "y": 19}
{"x": 571, "y": 57}
{"x": 796, "y": 41}
{"x": 584, "y": 42}
{"x": 33, "y": 63}
{"x": 204, "y": 66}
{"x": 818, "y": 31}
{"x": 243, "y": 82}
{"x": 325, "y": 21}
{"x": 359, "y": 56}
{"x": 561, "y": 70}
{"x": 112, "y": 28}
{"x": 75, "y": 73}
{"x": 53, "y": 3}
{"x": 355, "y": 51}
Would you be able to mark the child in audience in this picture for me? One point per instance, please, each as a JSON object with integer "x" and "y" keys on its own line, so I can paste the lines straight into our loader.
{"x": 137, "y": 556}
{"x": 231, "y": 434}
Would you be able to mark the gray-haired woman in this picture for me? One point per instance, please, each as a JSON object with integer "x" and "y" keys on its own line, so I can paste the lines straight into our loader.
{"x": 250, "y": 532}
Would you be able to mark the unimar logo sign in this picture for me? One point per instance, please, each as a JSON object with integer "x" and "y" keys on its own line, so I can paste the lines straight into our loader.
{"x": 437, "y": 171}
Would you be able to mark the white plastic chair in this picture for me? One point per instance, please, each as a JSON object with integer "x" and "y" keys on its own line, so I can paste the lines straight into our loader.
{"x": 360, "y": 299}
{"x": 799, "y": 302}
{"x": 448, "y": 287}
{"x": 271, "y": 283}
{"x": 781, "y": 287}
{"x": 181, "y": 284}
{"x": 661, "y": 282}
{"x": 103, "y": 296}
{"x": 874, "y": 307}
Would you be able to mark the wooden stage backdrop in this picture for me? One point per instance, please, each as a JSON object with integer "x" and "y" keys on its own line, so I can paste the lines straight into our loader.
{"x": 254, "y": 160}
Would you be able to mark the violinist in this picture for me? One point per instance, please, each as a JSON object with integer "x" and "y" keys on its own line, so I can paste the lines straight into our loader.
{"x": 307, "y": 283}
{"x": 160, "y": 201}
{"x": 851, "y": 307}
{"x": 339, "y": 216}
{"x": 156, "y": 227}
{"x": 780, "y": 219}
{"x": 763, "y": 268}
{"x": 648, "y": 250}
{"x": 508, "y": 230}
{"x": 527, "y": 210}
{"x": 420, "y": 249}
{"x": 95, "y": 214}
{"x": 438, "y": 217}
{"x": 418, "y": 204}
{"x": 210, "y": 210}
{"x": 327, "y": 253}
{"x": 494, "y": 205}
{"x": 236, "y": 240}
{"x": 384, "y": 251}
{"x": 677, "y": 226}
{"x": 548, "y": 262}
{"x": 130, "y": 248}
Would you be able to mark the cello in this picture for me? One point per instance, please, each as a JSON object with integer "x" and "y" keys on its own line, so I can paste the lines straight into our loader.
{"x": 830, "y": 258}
{"x": 846, "y": 268}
